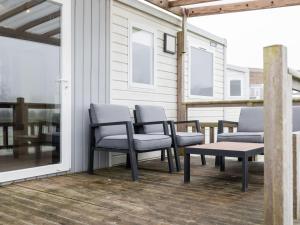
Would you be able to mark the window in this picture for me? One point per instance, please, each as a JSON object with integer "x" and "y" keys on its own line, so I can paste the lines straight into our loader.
{"x": 235, "y": 88}
{"x": 201, "y": 72}
{"x": 256, "y": 91}
{"x": 142, "y": 57}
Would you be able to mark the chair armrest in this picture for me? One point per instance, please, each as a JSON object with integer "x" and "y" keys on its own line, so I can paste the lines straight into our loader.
{"x": 129, "y": 130}
{"x": 164, "y": 123}
{"x": 96, "y": 125}
{"x": 221, "y": 125}
{"x": 196, "y": 122}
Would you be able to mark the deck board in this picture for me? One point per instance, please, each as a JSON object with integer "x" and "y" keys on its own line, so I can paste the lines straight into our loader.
{"x": 109, "y": 197}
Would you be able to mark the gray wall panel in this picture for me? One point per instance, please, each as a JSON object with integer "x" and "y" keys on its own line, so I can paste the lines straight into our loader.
{"x": 90, "y": 20}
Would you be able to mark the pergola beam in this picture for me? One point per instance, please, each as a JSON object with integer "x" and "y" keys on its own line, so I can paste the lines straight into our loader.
{"x": 240, "y": 7}
{"x": 177, "y": 3}
{"x": 51, "y": 32}
{"x": 164, "y": 4}
{"x": 39, "y": 21}
{"x": 20, "y": 9}
{"x": 11, "y": 33}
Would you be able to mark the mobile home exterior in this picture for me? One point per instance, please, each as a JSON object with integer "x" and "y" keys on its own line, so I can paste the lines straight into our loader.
{"x": 101, "y": 42}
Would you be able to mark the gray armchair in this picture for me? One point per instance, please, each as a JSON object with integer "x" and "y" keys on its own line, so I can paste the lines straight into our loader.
{"x": 250, "y": 127}
{"x": 144, "y": 113}
{"x": 112, "y": 130}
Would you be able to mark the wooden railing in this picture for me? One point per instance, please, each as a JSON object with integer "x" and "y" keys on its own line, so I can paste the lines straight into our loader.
{"x": 20, "y": 124}
{"x": 209, "y": 128}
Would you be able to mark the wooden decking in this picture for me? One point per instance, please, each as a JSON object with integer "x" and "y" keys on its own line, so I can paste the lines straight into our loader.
{"x": 109, "y": 197}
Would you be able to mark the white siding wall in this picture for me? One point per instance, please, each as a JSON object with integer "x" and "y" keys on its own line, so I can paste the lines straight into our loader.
{"x": 165, "y": 91}
{"x": 234, "y": 72}
{"x": 207, "y": 114}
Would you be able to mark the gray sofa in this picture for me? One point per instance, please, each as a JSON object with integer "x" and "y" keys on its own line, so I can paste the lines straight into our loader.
{"x": 250, "y": 127}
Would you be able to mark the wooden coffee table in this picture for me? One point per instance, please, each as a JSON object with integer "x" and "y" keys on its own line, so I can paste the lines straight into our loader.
{"x": 224, "y": 149}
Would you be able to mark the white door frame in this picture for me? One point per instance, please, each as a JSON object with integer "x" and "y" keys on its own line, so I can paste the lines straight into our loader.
{"x": 66, "y": 69}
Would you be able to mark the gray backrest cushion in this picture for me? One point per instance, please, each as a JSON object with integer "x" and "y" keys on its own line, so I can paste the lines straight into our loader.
{"x": 109, "y": 113}
{"x": 251, "y": 120}
{"x": 296, "y": 118}
{"x": 146, "y": 113}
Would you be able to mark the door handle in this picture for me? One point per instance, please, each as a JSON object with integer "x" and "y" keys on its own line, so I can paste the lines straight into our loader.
{"x": 63, "y": 81}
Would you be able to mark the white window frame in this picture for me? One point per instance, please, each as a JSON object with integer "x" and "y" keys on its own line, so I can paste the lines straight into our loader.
{"x": 66, "y": 70}
{"x": 210, "y": 50}
{"x": 242, "y": 88}
{"x": 130, "y": 75}
{"x": 256, "y": 86}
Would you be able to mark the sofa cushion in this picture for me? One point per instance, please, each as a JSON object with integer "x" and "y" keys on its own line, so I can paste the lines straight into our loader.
{"x": 253, "y": 137}
{"x": 103, "y": 113}
{"x": 146, "y": 113}
{"x": 142, "y": 142}
{"x": 189, "y": 138}
{"x": 251, "y": 120}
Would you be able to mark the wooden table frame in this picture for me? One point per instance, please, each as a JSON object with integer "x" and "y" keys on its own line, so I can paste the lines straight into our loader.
{"x": 232, "y": 149}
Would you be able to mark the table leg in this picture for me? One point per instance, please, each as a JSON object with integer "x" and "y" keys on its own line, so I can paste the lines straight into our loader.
{"x": 245, "y": 174}
{"x": 187, "y": 168}
{"x": 222, "y": 162}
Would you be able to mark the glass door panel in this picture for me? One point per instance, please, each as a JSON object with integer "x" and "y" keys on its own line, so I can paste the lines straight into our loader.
{"x": 30, "y": 96}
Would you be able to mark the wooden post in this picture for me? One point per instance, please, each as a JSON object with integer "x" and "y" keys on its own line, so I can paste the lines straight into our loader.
{"x": 181, "y": 49}
{"x": 212, "y": 135}
{"x": 20, "y": 126}
{"x": 278, "y": 188}
{"x": 296, "y": 173}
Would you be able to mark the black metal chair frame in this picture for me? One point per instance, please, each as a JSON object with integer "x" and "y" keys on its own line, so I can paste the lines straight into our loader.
{"x": 174, "y": 141}
{"x": 131, "y": 151}
{"x": 219, "y": 161}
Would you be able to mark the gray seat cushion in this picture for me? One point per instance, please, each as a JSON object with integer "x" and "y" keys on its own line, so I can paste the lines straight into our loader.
{"x": 188, "y": 138}
{"x": 253, "y": 137}
{"x": 146, "y": 113}
{"x": 103, "y": 113}
{"x": 142, "y": 142}
{"x": 251, "y": 120}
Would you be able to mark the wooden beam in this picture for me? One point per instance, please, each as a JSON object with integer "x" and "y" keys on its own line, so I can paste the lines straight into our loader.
{"x": 20, "y": 9}
{"x": 51, "y": 32}
{"x": 278, "y": 170}
{"x": 240, "y": 7}
{"x": 164, "y": 4}
{"x": 230, "y": 103}
{"x": 187, "y": 2}
{"x": 7, "y": 32}
{"x": 182, "y": 112}
{"x": 39, "y": 21}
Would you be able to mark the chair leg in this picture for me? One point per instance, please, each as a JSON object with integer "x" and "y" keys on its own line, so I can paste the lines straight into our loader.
{"x": 217, "y": 161}
{"x": 133, "y": 163}
{"x": 163, "y": 155}
{"x": 203, "y": 160}
{"x": 128, "y": 161}
{"x": 177, "y": 158}
{"x": 91, "y": 161}
{"x": 170, "y": 160}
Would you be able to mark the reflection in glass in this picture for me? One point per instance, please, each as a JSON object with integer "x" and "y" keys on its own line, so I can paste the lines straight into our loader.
{"x": 29, "y": 93}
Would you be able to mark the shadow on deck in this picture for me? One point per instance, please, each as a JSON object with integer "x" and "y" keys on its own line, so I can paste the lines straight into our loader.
{"x": 109, "y": 197}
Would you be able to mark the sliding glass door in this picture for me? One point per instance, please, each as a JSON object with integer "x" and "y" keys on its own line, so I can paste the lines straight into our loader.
{"x": 34, "y": 88}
